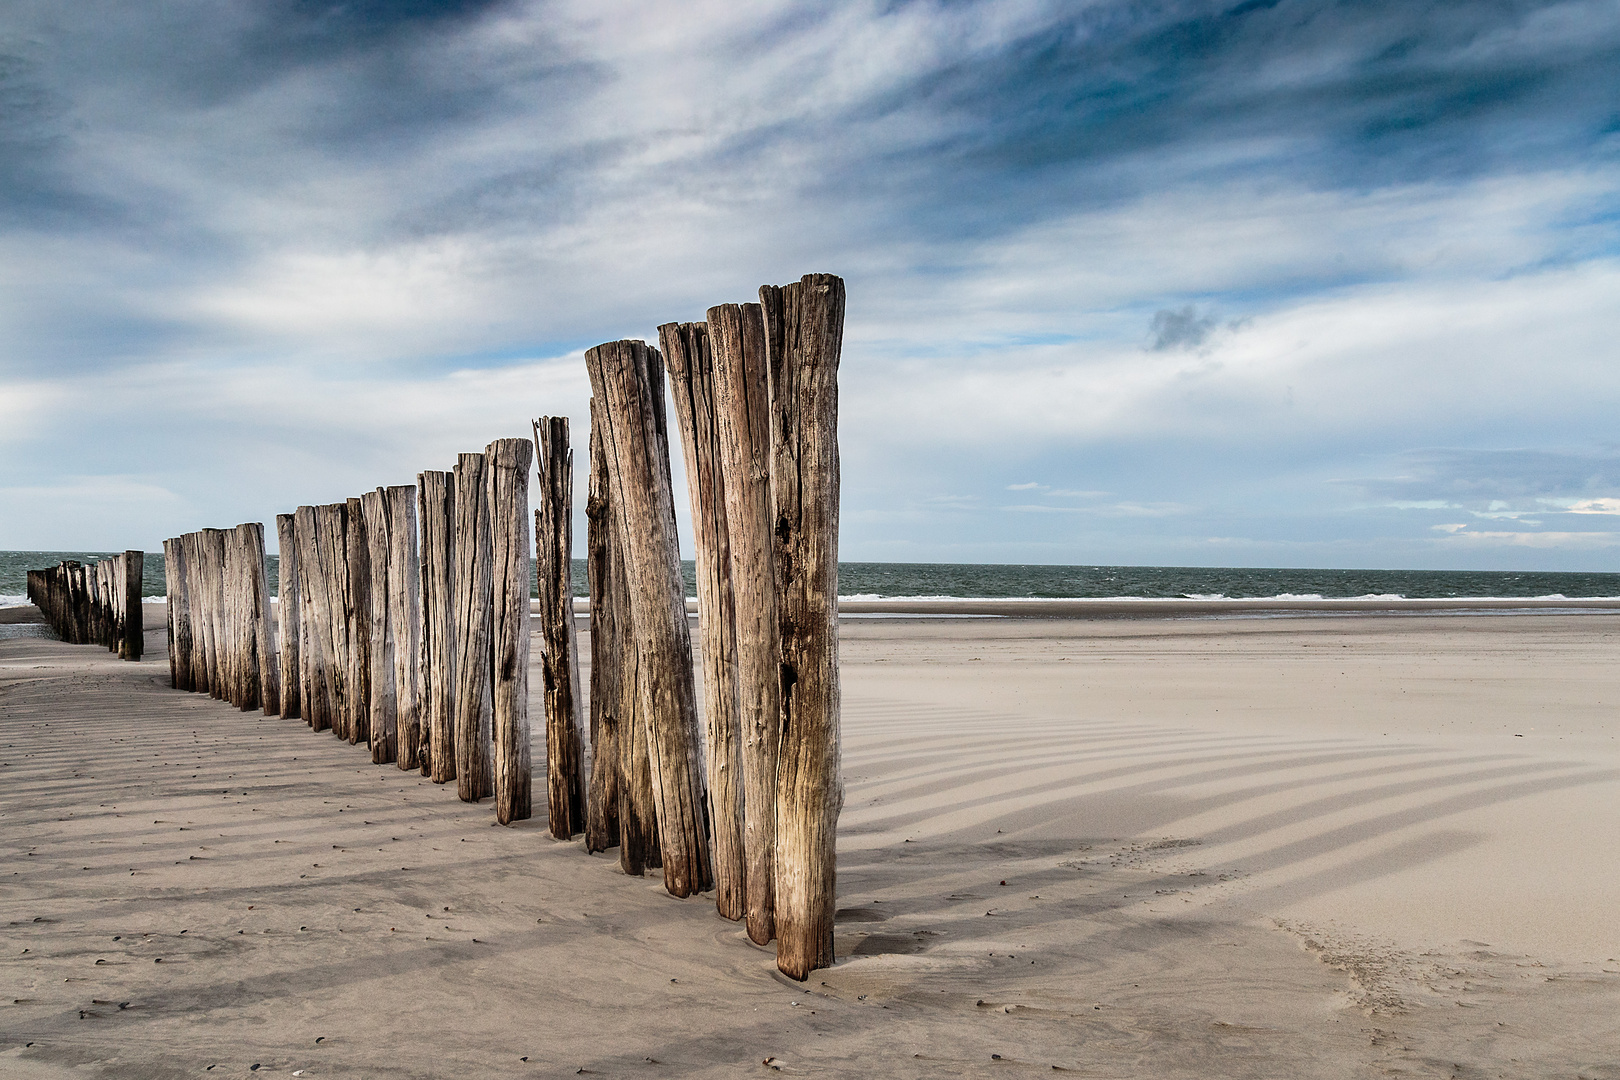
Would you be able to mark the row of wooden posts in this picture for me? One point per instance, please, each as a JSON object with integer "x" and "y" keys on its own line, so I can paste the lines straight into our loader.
{"x": 95, "y": 604}
{"x": 416, "y": 645}
{"x": 403, "y": 617}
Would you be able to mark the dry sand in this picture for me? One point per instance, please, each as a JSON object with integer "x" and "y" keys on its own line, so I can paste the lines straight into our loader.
{"x": 1291, "y": 847}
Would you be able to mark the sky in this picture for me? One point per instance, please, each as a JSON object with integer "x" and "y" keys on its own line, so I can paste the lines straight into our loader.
{"x": 1272, "y": 283}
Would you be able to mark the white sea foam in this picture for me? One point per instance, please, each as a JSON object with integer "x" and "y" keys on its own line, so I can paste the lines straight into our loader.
{"x": 1212, "y": 597}
{"x": 15, "y": 600}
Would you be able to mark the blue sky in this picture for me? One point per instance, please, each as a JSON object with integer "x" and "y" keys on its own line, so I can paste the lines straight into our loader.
{"x": 1283, "y": 283}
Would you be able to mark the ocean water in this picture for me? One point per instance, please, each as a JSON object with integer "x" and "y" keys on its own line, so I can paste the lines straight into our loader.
{"x": 986, "y": 580}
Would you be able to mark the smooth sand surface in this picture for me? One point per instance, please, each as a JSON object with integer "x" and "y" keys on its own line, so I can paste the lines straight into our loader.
{"x": 1316, "y": 846}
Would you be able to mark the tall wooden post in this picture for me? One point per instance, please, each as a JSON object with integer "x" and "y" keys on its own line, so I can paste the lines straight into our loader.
{"x": 804, "y": 337}
{"x": 627, "y": 379}
{"x": 743, "y": 427}
{"x": 357, "y": 610}
{"x": 691, "y": 380}
{"x": 405, "y": 629}
{"x": 287, "y": 621}
{"x": 384, "y": 715}
{"x": 554, "y": 577}
{"x": 439, "y": 623}
{"x": 506, "y": 467}
{"x": 602, "y": 804}
{"x": 474, "y": 779}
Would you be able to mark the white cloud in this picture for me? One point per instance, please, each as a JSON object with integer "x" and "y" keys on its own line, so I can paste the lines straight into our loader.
{"x": 1584, "y": 541}
{"x": 1593, "y": 506}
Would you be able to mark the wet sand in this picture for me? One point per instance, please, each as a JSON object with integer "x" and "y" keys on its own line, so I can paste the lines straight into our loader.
{"x": 1307, "y": 846}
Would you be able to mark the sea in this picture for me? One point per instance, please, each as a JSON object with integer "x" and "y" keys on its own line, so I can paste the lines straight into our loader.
{"x": 972, "y": 581}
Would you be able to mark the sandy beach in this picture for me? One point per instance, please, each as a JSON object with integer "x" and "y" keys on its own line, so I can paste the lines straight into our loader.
{"x": 1335, "y": 845}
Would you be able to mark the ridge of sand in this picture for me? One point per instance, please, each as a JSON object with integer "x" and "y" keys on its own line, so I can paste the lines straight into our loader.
{"x": 1291, "y": 847}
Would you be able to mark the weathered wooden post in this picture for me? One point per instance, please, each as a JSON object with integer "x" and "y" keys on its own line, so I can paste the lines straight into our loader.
{"x": 437, "y": 503}
{"x": 312, "y": 620}
{"x": 135, "y": 633}
{"x": 233, "y": 625}
{"x": 335, "y": 559}
{"x": 357, "y": 611}
{"x": 197, "y": 602}
{"x": 174, "y": 587}
{"x": 384, "y": 716}
{"x": 804, "y": 330}
{"x": 743, "y": 427}
{"x": 328, "y": 570}
{"x": 105, "y": 628}
{"x": 691, "y": 380}
{"x": 474, "y": 779}
{"x": 103, "y": 592}
{"x": 627, "y": 380}
{"x": 506, "y": 465}
{"x": 405, "y": 629}
{"x": 261, "y": 662}
{"x": 287, "y": 618}
{"x": 602, "y": 805}
{"x": 554, "y": 576}
{"x": 219, "y": 641}
{"x": 270, "y": 688}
